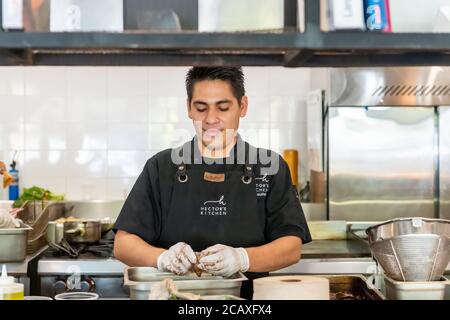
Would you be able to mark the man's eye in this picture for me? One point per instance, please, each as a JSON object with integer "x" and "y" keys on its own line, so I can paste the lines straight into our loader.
{"x": 224, "y": 109}
{"x": 201, "y": 110}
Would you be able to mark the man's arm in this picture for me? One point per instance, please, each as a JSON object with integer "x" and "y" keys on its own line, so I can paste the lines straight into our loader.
{"x": 135, "y": 252}
{"x": 275, "y": 255}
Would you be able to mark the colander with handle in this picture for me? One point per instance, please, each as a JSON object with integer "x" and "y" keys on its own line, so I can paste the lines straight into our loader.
{"x": 411, "y": 249}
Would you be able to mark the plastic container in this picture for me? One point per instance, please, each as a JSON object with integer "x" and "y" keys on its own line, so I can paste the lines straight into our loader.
{"x": 415, "y": 290}
{"x": 10, "y": 290}
{"x": 14, "y": 186}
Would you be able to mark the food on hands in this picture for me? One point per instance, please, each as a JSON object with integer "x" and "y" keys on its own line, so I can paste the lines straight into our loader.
{"x": 196, "y": 267}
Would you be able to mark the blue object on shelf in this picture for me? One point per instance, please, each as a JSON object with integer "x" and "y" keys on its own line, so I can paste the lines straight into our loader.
{"x": 14, "y": 186}
{"x": 377, "y": 15}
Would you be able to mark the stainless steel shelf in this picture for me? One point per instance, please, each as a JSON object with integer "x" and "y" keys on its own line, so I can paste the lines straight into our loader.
{"x": 290, "y": 48}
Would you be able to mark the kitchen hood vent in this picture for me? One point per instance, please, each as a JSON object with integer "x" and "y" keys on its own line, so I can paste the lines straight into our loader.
{"x": 410, "y": 86}
{"x": 399, "y": 90}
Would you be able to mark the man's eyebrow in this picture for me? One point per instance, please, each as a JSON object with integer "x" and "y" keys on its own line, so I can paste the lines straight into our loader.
{"x": 199, "y": 102}
{"x": 223, "y": 101}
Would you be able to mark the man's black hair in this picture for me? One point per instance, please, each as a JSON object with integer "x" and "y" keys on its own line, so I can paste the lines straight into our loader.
{"x": 233, "y": 75}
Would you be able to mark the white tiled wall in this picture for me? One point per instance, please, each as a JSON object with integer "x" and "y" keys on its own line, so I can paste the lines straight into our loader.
{"x": 87, "y": 131}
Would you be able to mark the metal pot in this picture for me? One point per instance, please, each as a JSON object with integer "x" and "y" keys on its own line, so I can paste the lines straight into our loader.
{"x": 82, "y": 231}
{"x": 107, "y": 225}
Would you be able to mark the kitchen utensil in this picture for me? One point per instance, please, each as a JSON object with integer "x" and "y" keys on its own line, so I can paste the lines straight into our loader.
{"x": 37, "y": 298}
{"x": 77, "y": 296}
{"x": 411, "y": 249}
{"x": 415, "y": 290}
{"x": 37, "y": 214}
{"x": 13, "y": 243}
{"x": 82, "y": 231}
{"x": 140, "y": 280}
{"x": 33, "y": 245}
{"x": 107, "y": 225}
{"x": 64, "y": 247}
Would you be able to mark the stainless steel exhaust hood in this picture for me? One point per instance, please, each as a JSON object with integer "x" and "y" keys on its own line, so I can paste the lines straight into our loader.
{"x": 403, "y": 86}
{"x": 389, "y": 157}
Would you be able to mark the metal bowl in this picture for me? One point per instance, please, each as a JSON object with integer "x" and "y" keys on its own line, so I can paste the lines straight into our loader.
{"x": 411, "y": 249}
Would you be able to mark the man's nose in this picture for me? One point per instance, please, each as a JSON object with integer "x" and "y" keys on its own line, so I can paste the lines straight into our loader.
{"x": 211, "y": 116}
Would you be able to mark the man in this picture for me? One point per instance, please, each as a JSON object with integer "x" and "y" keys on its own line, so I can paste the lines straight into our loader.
{"x": 217, "y": 196}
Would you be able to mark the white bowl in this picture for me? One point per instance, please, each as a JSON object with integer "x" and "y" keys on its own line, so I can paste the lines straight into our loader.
{"x": 77, "y": 296}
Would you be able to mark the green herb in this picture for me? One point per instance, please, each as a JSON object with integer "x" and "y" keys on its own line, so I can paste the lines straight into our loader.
{"x": 36, "y": 193}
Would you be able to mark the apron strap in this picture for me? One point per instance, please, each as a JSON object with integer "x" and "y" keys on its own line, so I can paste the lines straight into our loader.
{"x": 248, "y": 168}
{"x": 247, "y": 177}
{"x": 181, "y": 173}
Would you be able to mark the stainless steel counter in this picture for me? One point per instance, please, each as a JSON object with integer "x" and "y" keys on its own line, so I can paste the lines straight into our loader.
{"x": 109, "y": 266}
{"x": 331, "y": 266}
{"x": 336, "y": 249}
{"x": 17, "y": 269}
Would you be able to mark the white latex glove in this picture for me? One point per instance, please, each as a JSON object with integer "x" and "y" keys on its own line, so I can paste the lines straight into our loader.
{"x": 178, "y": 259}
{"x": 7, "y": 220}
{"x": 223, "y": 260}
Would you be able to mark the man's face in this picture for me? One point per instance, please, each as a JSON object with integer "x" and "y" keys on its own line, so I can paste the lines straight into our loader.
{"x": 215, "y": 112}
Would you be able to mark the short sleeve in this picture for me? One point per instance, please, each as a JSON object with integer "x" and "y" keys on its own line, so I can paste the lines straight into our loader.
{"x": 285, "y": 215}
{"x": 141, "y": 212}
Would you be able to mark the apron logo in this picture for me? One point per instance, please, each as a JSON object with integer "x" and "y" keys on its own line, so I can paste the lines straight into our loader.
{"x": 214, "y": 207}
{"x": 262, "y": 186}
{"x": 263, "y": 178}
{"x": 214, "y": 177}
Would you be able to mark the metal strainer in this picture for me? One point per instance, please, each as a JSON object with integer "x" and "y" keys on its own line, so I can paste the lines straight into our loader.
{"x": 411, "y": 249}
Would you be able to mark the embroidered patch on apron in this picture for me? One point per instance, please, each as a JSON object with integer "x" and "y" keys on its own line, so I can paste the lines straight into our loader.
{"x": 214, "y": 177}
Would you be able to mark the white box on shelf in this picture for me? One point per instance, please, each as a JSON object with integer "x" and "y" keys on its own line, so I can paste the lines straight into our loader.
{"x": 301, "y": 15}
{"x": 86, "y": 15}
{"x": 346, "y": 15}
{"x": 442, "y": 23}
{"x": 12, "y": 14}
{"x": 240, "y": 15}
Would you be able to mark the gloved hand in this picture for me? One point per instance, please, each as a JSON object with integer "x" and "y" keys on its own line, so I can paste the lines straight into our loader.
{"x": 223, "y": 260}
{"x": 178, "y": 259}
{"x": 7, "y": 220}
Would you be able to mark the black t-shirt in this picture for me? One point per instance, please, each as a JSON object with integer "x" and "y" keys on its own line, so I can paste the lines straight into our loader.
{"x": 149, "y": 200}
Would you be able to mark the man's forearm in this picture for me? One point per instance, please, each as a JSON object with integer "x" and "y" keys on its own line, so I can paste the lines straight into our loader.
{"x": 133, "y": 251}
{"x": 275, "y": 255}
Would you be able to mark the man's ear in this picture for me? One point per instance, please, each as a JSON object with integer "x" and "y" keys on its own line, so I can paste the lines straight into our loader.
{"x": 244, "y": 106}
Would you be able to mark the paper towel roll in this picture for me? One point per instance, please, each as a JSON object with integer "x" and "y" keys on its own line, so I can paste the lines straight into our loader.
{"x": 291, "y": 288}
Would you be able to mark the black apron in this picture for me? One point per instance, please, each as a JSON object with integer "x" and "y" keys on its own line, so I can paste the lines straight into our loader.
{"x": 203, "y": 213}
